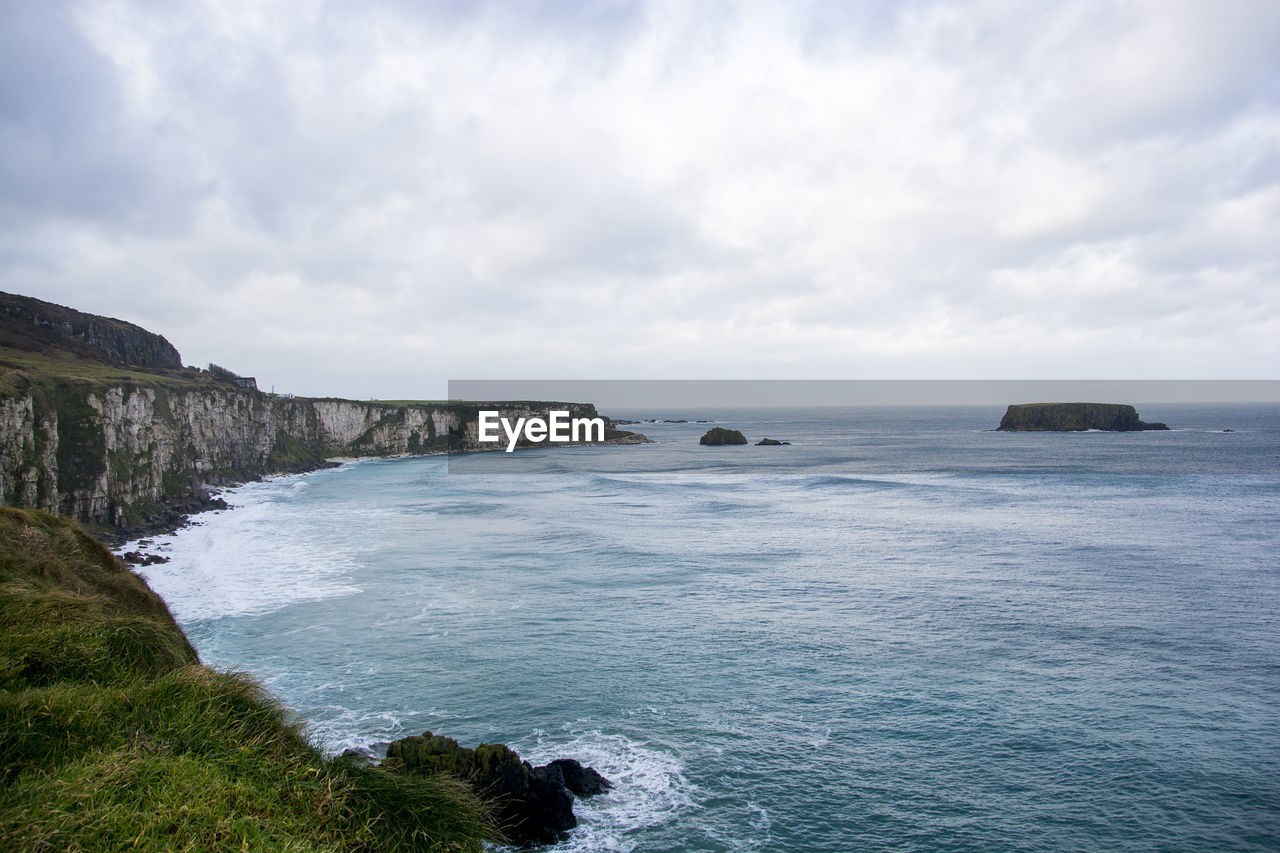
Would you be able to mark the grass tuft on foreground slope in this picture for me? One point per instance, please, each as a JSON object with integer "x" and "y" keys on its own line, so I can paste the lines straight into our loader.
{"x": 114, "y": 736}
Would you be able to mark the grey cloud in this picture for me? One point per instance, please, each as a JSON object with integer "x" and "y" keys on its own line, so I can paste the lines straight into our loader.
{"x": 59, "y": 148}
{"x": 67, "y": 145}
{"x": 878, "y": 188}
{"x": 1137, "y": 70}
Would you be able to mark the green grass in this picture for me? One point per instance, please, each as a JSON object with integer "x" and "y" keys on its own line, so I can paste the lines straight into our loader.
{"x": 20, "y": 369}
{"x": 113, "y": 735}
{"x": 413, "y": 402}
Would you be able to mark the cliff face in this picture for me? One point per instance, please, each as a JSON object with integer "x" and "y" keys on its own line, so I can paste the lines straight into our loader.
{"x": 115, "y": 455}
{"x": 1067, "y": 417}
{"x": 99, "y": 421}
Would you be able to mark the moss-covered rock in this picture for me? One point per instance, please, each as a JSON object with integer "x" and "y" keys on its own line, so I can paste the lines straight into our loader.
{"x": 292, "y": 455}
{"x": 717, "y": 436}
{"x": 534, "y": 804}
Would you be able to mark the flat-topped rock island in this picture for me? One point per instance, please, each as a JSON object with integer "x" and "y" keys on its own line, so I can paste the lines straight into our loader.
{"x": 1074, "y": 417}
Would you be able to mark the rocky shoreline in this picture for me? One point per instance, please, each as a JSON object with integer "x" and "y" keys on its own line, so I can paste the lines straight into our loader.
{"x": 167, "y": 518}
{"x": 170, "y": 515}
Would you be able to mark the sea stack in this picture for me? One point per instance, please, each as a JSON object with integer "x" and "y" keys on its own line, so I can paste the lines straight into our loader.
{"x": 719, "y": 435}
{"x": 1074, "y": 417}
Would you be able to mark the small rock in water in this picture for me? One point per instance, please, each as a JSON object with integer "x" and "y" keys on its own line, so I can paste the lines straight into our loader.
{"x": 717, "y": 436}
{"x": 137, "y": 558}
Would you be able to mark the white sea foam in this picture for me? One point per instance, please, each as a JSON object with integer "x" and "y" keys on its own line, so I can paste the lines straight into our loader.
{"x": 257, "y": 558}
{"x": 340, "y": 728}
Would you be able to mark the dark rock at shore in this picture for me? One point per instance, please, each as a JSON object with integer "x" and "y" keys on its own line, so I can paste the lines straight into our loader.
{"x": 137, "y": 558}
{"x": 582, "y": 781}
{"x": 770, "y": 442}
{"x": 622, "y": 436}
{"x": 534, "y": 804}
{"x": 165, "y": 518}
{"x": 1074, "y": 417}
{"x": 370, "y": 754}
{"x": 717, "y": 436}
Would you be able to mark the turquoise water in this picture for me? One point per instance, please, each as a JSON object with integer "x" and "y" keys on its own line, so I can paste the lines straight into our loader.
{"x": 902, "y": 632}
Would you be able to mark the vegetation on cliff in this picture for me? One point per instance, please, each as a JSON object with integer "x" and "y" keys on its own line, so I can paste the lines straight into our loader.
{"x": 113, "y": 735}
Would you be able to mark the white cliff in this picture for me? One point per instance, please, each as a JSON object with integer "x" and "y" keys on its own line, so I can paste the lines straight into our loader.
{"x": 117, "y": 456}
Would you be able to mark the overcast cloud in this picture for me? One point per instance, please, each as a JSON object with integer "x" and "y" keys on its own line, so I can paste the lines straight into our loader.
{"x": 368, "y": 199}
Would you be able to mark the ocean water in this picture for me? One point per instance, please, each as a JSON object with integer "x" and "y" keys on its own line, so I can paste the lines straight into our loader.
{"x": 902, "y": 632}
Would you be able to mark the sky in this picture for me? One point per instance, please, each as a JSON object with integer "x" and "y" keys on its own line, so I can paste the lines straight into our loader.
{"x": 371, "y": 199}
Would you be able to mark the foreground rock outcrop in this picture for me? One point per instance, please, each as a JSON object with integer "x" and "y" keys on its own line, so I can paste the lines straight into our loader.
{"x": 534, "y": 804}
{"x": 717, "y": 436}
{"x": 1074, "y": 417}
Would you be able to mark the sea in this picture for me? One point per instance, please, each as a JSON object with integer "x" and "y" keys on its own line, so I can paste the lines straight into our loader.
{"x": 903, "y": 631}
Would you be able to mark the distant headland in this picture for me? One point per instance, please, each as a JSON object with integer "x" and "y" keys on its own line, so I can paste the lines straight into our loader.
{"x": 1074, "y": 417}
{"x": 100, "y": 421}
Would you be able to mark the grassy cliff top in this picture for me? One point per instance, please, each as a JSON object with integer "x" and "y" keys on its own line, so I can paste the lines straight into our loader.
{"x": 20, "y": 369}
{"x": 114, "y": 736}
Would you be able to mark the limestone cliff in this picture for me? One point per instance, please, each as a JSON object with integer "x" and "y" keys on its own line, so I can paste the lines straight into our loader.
{"x": 1069, "y": 417}
{"x": 113, "y": 455}
{"x": 97, "y": 423}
